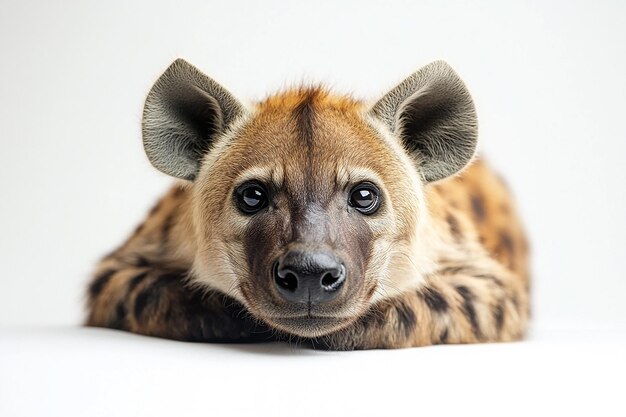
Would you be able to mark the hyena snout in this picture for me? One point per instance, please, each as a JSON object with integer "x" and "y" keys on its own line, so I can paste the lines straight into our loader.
{"x": 305, "y": 277}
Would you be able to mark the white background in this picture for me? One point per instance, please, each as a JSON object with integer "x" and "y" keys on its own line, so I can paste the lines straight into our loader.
{"x": 549, "y": 80}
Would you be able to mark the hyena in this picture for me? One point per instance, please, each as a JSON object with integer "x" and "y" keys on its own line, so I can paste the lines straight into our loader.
{"x": 316, "y": 217}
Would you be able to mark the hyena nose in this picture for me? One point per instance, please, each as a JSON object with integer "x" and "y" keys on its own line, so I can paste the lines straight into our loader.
{"x": 303, "y": 277}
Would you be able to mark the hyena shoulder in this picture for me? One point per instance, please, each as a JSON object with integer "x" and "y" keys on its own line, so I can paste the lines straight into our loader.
{"x": 477, "y": 205}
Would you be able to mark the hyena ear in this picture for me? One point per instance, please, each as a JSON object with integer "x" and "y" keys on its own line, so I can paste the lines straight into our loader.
{"x": 433, "y": 114}
{"x": 184, "y": 112}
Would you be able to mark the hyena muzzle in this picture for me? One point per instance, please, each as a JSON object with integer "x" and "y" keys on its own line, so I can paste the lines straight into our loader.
{"x": 319, "y": 218}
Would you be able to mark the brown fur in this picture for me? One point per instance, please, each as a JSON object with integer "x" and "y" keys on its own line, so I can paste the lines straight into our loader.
{"x": 474, "y": 286}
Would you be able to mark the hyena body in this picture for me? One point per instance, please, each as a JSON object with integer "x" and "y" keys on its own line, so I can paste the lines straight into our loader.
{"x": 318, "y": 217}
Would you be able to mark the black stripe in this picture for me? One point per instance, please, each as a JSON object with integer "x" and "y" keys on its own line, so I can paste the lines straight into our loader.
{"x": 434, "y": 300}
{"x": 468, "y": 308}
{"x": 100, "y": 282}
{"x": 455, "y": 228}
{"x": 489, "y": 277}
{"x": 120, "y": 317}
{"x": 136, "y": 280}
{"x": 515, "y": 302}
{"x": 498, "y": 314}
{"x": 443, "y": 337}
{"x": 141, "y": 262}
{"x": 453, "y": 270}
{"x": 478, "y": 207}
{"x": 506, "y": 243}
{"x": 152, "y": 294}
{"x": 406, "y": 317}
{"x": 155, "y": 208}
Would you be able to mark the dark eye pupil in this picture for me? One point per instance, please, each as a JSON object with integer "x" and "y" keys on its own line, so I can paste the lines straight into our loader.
{"x": 252, "y": 197}
{"x": 363, "y": 198}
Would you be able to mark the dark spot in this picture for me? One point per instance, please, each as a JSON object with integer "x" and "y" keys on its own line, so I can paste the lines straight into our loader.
{"x": 443, "y": 337}
{"x": 119, "y": 322}
{"x": 515, "y": 301}
{"x": 506, "y": 242}
{"x": 136, "y": 280}
{"x": 489, "y": 277}
{"x": 152, "y": 295}
{"x": 406, "y": 317}
{"x": 455, "y": 228}
{"x": 453, "y": 270}
{"x": 468, "y": 308}
{"x": 478, "y": 207}
{"x": 100, "y": 282}
{"x": 498, "y": 315}
{"x": 304, "y": 116}
{"x": 142, "y": 300}
{"x": 155, "y": 208}
{"x": 434, "y": 300}
{"x": 166, "y": 228}
{"x": 141, "y": 262}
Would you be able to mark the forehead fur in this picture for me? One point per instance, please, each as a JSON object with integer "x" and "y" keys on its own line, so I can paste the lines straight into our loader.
{"x": 311, "y": 116}
{"x": 309, "y": 131}
{"x": 302, "y": 104}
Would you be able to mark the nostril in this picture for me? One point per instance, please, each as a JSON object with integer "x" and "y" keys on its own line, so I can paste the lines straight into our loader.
{"x": 285, "y": 279}
{"x": 328, "y": 280}
{"x": 332, "y": 281}
{"x": 289, "y": 282}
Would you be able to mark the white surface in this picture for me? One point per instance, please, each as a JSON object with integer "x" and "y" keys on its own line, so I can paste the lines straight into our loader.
{"x": 94, "y": 372}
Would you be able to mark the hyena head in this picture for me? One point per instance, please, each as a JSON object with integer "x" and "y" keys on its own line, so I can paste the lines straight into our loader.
{"x": 308, "y": 207}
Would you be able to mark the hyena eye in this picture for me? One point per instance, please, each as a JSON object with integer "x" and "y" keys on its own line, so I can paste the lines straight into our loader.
{"x": 251, "y": 197}
{"x": 365, "y": 198}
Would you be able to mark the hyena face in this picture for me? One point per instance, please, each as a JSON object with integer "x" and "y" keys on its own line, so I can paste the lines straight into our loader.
{"x": 308, "y": 207}
{"x": 305, "y": 205}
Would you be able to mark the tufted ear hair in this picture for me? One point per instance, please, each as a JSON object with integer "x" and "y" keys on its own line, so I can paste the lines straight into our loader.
{"x": 432, "y": 112}
{"x": 184, "y": 113}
